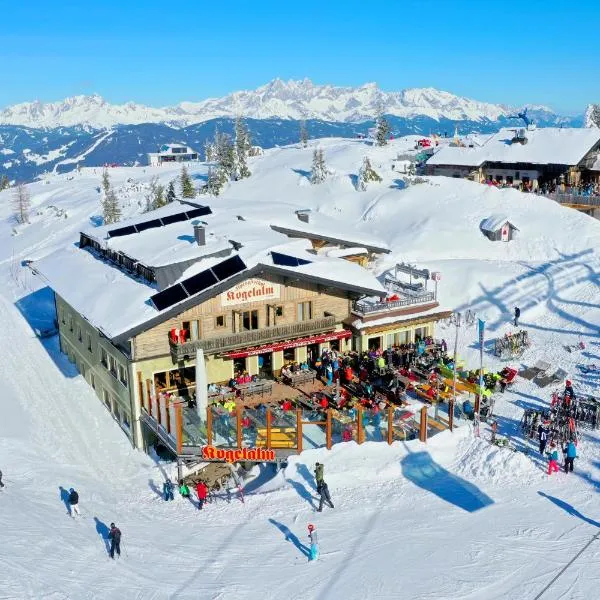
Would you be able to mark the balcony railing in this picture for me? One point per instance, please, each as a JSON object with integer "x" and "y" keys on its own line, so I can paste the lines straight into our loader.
{"x": 366, "y": 308}
{"x": 252, "y": 338}
{"x": 578, "y": 199}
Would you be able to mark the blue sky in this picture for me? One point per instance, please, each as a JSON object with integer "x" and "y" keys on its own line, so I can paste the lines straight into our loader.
{"x": 160, "y": 53}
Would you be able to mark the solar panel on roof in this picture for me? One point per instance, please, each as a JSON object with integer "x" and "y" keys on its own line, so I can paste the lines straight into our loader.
{"x": 199, "y": 282}
{"x": 285, "y": 260}
{"x": 174, "y": 218}
{"x": 199, "y": 212}
{"x": 121, "y": 231}
{"x": 172, "y": 295}
{"x": 228, "y": 267}
{"x": 148, "y": 225}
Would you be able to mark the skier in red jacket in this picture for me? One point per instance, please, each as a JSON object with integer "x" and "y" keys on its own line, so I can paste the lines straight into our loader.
{"x": 202, "y": 492}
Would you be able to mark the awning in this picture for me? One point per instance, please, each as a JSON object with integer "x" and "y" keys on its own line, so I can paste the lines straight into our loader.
{"x": 315, "y": 339}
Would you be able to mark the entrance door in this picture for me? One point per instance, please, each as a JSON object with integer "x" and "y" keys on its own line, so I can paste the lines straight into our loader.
{"x": 504, "y": 233}
{"x": 265, "y": 364}
{"x": 312, "y": 353}
{"x": 374, "y": 343}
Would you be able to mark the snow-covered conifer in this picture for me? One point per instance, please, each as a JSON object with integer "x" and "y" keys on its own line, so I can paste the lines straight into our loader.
{"x": 319, "y": 170}
{"x": 382, "y": 126}
{"x": 366, "y": 174}
{"x": 171, "y": 196}
{"x": 187, "y": 187}
{"x": 242, "y": 149}
{"x": 303, "y": 134}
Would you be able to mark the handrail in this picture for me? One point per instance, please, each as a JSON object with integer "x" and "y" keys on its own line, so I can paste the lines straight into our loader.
{"x": 366, "y": 308}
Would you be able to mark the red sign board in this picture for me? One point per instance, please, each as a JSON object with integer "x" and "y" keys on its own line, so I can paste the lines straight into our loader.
{"x": 315, "y": 339}
{"x": 232, "y": 455}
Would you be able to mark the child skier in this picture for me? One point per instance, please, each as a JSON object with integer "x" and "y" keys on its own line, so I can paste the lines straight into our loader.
{"x": 570, "y": 456}
{"x": 553, "y": 463}
{"x": 314, "y": 542}
{"x": 183, "y": 489}
{"x": 202, "y": 492}
{"x": 168, "y": 490}
{"x": 74, "y": 503}
{"x": 114, "y": 535}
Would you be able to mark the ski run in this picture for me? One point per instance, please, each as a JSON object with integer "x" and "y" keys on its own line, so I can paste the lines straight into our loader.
{"x": 457, "y": 518}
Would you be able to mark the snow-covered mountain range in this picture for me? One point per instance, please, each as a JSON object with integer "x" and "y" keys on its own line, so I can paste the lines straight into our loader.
{"x": 277, "y": 99}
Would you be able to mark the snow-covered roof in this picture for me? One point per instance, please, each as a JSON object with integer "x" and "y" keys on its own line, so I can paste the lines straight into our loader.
{"x": 547, "y": 145}
{"x": 495, "y": 222}
{"x": 327, "y": 228}
{"x": 119, "y": 304}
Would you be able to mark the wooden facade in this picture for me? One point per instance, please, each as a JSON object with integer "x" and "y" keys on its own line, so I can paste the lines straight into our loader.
{"x": 215, "y": 320}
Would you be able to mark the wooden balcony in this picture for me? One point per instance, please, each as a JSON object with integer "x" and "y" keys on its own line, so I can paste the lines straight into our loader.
{"x": 368, "y": 308}
{"x": 256, "y": 337}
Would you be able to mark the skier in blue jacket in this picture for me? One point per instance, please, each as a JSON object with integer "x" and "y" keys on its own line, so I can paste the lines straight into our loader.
{"x": 570, "y": 456}
{"x": 168, "y": 490}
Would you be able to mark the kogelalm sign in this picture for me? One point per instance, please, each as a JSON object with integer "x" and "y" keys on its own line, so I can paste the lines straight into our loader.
{"x": 234, "y": 455}
{"x": 251, "y": 290}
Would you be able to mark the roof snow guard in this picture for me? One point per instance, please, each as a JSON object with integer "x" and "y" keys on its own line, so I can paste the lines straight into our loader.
{"x": 198, "y": 283}
{"x": 160, "y": 222}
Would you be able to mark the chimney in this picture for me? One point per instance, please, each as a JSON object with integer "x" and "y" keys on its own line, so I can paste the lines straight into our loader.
{"x": 304, "y": 215}
{"x": 200, "y": 234}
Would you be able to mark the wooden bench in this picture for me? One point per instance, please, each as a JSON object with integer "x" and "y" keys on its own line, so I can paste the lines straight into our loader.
{"x": 301, "y": 377}
{"x": 281, "y": 437}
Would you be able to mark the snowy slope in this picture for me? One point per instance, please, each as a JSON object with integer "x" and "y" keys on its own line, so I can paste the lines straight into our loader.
{"x": 277, "y": 99}
{"x": 457, "y": 519}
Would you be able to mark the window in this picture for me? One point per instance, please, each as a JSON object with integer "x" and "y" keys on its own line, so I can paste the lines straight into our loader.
{"x": 62, "y": 316}
{"x": 274, "y": 313}
{"x": 123, "y": 375}
{"x": 82, "y": 369}
{"x": 88, "y": 337}
{"x": 304, "y": 311}
{"x": 126, "y": 421}
{"x": 79, "y": 335}
{"x": 509, "y": 179}
{"x": 92, "y": 381}
{"x": 249, "y": 320}
{"x": 103, "y": 358}
{"x": 499, "y": 177}
{"x": 289, "y": 355}
{"x": 517, "y": 175}
{"x": 192, "y": 330}
{"x": 116, "y": 411}
{"x": 113, "y": 366}
{"x": 70, "y": 323}
{"x": 239, "y": 366}
{"x": 220, "y": 321}
{"x": 106, "y": 398}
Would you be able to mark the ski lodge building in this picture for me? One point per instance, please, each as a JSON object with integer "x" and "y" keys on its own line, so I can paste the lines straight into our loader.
{"x": 172, "y": 153}
{"x": 156, "y": 309}
{"x": 530, "y": 157}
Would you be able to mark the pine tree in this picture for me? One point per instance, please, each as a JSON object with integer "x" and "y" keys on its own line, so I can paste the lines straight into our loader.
{"x": 159, "y": 197}
{"x": 171, "y": 196}
{"x": 187, "y": 187}
{"x": 4, "y": 183}
{"x": 226, "y": 156}
{"x": 21, "y": 204}
{"x": 303, "y": 134}
{"x": 366, "y": 174}
{"x": 215, "y": 181}
{"x": 319, "y": 170}
{"x": 209, "y": 151}
{"x": 105, "y": 181}
{"x": 383, "y": 127}
{"x": 242, "y": 149}
{"x": 111, "y": 211}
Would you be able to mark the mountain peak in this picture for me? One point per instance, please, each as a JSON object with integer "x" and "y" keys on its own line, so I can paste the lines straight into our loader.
{"x": 291, "y": 99}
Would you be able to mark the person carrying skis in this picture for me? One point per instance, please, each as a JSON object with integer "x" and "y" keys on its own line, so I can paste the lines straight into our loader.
{"x": 543, "y": 431}
{"x": 202, "y": 492}
{"x": 570, "y": 456}
{"x": 319, "y": 473}
{"x": 168, "y": 490}
{"x": 74, "y": 503}
{"x": 314, "y": 542}
{"x": 114, "y": 535}
{"x": 553, "y": 462}
{"x": 517, "y": 315}
{"x": 323, "y": 491}
{"x": 183, "y": 489}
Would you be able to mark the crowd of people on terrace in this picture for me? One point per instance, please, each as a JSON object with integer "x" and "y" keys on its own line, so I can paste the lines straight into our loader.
{"x": 546, "y": 187}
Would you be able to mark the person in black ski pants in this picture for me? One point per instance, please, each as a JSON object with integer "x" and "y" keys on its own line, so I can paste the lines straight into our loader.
{"x": 543, "y": 432}
{"x": 517, "y": 315}
{"x": 114, "y": 535}
{"x": 323, "y": 491}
